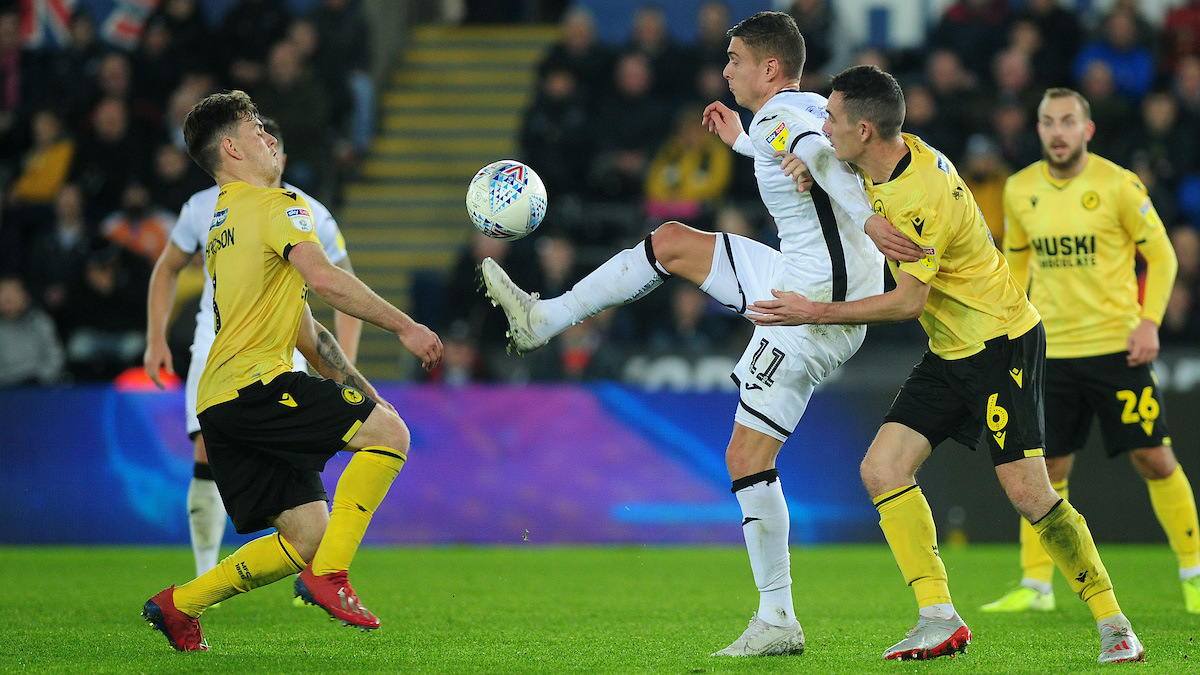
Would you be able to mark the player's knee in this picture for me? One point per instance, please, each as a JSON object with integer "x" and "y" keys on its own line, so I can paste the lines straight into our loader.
{"x": 667, "y": 241}
{"x": 1154, "y": 463}
{"x": 396, "y": 433}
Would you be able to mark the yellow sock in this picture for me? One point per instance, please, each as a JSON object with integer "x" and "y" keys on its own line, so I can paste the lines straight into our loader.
{"x": 260, "y": 562}
{"x": 360, "y": 490}
{"x": 907, "y": 523}
{"x": 1035, "y": 562}
{"x": 1175, "y": 507}
{"x": 1065, "y": 536}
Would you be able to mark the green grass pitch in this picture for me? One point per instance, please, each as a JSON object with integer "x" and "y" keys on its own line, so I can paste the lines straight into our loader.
{"x": 569, "y": 610}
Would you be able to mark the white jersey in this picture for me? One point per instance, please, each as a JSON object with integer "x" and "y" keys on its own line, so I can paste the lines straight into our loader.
{"x": 191, "y": 234}
{"x": 829, "y": 256}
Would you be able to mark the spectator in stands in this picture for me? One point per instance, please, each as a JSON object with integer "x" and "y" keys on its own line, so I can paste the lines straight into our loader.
{"x": 1111, "y": 111}
{"x": 1132, "y": 64}
{"x": 667, "y": 61}
{"x": 1012, "y": 81}
{"x": 1060, "y": 38}
{"x": 114, "y": 80}
{"x": 463, "y": 301}
{"x": 158, "y": 65}
{"x": 176, "y": 178}
{"x": 1019, "y": 145}
{"x": 30, "y": 351}
{"x": 1186, "y": 85}
{"x": 818, "y": 25}
{"x": 691, "y": 331}
{"x": 461, "y": 363}
{"x": 193, "y": 88}
{"x": 302, "y": 107}
{"x": 57, "y": 255}
{"x": 105, "y": 315}
{"x": 247, "y": 33}
{"x": 15, "y": 82}
{"x": 974, "y": 30}
{"x": 343, "y": 64}
{"x": 46, "y": 163}
{"x": 984, "y": 172}
{"x": 191, "y": 37}
{"x": 68, "y": 75}
{"x": 1182, "y": 33}
{"x": 1168, "y": 142}
{"x": 556, "y": 257}
{"x": 628, "y": 127}
{"x": 1181, "y": 322}
{"x": 555, "y": 138}
{"x": 579, "y": 52}
{"x": 948, "y": 81}
{"x": 139, "y": 226}
{"x": 871, "y": 56}
{"x": 108, "y": 157}
{"x": 690, "y": 171}
{"x": 712, "y": 40}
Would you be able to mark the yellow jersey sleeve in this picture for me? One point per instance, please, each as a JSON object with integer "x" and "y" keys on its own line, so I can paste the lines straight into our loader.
{"x": 1016, "y": 240}
{"x": 291, "y": 222}
{"x": 1136, "y": 212}
{"x": 922, "y": 226}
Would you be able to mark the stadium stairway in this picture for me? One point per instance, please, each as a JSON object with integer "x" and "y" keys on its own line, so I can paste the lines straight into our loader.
{"x": 453, "y": 105}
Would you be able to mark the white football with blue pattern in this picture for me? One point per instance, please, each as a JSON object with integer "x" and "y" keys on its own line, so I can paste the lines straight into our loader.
{"x": 506, "y": 200}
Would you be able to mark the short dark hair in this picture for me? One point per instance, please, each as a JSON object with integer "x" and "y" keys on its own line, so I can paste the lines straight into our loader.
{"x": 869, "y": 93}
{"x": 768, "y": 34}
{"x": 272, "y": 127}
{"x": 1063, "y": 92}
{"x": 210, "y": 120}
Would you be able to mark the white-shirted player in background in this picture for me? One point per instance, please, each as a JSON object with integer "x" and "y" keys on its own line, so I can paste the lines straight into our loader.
{"x": 206, "y": 511}
{"x": 825, "y": 251}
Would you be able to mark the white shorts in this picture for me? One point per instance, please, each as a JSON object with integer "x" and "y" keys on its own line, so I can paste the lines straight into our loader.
{"x": 201, "y": 344}
{"x": 782, "y": 364}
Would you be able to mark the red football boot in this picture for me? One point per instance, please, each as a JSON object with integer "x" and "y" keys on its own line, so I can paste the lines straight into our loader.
{"x": 182, "y": 631}
{"x": 332, "y": 593}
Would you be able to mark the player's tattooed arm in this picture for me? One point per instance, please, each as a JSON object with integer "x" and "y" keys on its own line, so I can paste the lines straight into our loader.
{"x": 322, "y": 350}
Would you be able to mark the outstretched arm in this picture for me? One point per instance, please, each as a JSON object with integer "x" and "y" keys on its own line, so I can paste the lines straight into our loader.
{"x": 163, "y": 282}
{"x": 905, "y": 302}
{"x": 346, "y": 293}
{"x": 348, "y": 328}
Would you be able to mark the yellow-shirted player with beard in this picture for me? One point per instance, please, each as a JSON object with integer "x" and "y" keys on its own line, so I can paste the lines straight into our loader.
{"x": 981, "y": 377}
{"x": 1075, "y": 222}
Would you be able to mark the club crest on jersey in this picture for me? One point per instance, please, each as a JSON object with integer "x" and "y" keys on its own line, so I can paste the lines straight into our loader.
{"x": 1090, "y": 200}
{"x": 301, "y": 218}
{"x": 778, "y": 136}
{"x": 219, "y": 218}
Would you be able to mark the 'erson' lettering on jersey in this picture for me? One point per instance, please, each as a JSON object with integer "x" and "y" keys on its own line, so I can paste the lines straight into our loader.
{"x": 258, "y": 295}
{"x": 1079, "y": 237}
{"x": 972, "y": 298}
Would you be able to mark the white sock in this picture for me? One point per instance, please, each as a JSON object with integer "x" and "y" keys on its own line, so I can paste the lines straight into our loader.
{"x": 623, "y": 278}
{"x": 1186, "y": 573}
{"x": 942, "y": 610}
{"x": 206, "y": 516}
{"x": 765, "y": 525}
{"x": 1037, "y": 585}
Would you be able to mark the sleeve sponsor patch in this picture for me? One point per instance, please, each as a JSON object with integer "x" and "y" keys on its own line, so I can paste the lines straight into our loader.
{"x": 778, "y": 136}
{"x": 219, "y": 217}
{"x": 1145, "y": 207}
{"x": 929, "y": 259}
{"x": 301, "y": 218}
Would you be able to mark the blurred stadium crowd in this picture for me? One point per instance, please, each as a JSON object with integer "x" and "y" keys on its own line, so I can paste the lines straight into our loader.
{"x": 93, "y": 169}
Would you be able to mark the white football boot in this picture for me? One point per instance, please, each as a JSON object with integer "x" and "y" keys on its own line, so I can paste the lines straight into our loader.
{"x": 932, "y": 638}
{"x": 763, "y": 639}
{"x": 518, "y": 306}
{"x": 1117, "y": 641}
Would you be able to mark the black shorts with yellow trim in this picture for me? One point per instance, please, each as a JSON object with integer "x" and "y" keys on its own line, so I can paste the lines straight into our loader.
{"x": 1127, "y": 400}
{"x": 995, "y": 395}
{"x": 268, "y": 446}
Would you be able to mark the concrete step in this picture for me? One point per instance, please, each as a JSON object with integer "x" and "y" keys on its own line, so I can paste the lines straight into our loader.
{"x": 504, "y": 78}
{"x": 460, "y": 121}
{"x": 385, "y": 168}
{"x": 404, "y": 99}
{"x": 442, "y": 147}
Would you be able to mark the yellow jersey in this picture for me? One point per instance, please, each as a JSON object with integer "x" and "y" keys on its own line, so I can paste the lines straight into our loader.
{"x": 1082, "y": 234}
{"x": 258, "y": 296}
{"x": 972, "y": 297}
